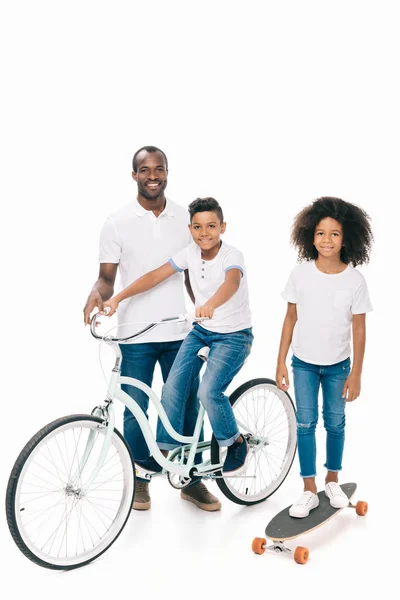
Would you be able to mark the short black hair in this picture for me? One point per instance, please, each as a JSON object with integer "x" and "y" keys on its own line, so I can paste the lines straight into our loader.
{"x": 147, "y": 149}
{"x": 205, "y": 205}
{"x": 357, "y": 232}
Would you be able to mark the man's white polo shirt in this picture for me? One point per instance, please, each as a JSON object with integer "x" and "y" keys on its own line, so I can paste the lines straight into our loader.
{"x": 138, "y": 241}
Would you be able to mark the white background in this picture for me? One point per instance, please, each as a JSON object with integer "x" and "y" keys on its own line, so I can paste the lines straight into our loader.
{"x": 265, "y": 106}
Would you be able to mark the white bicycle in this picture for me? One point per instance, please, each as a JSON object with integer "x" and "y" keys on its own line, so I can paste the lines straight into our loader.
{"x": 71, "y": 490}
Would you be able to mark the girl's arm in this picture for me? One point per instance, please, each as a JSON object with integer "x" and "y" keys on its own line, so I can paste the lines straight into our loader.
{"x": 352, "y": 387}
{"x": 143, "y": 284}
{"x": 222, "y": 295}
{"x": 282, "y": 377}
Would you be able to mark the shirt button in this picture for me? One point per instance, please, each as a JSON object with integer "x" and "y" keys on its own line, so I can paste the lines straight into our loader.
{"x": 202, "y": 276}
{"x": 202, "y": 269}
{"x": 203, "y": 262}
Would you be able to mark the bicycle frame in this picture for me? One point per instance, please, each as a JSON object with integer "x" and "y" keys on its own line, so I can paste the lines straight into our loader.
{"x": 115, "y": 392}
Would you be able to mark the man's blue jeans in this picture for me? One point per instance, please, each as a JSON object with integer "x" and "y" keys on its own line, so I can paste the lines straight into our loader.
{"x": 228, "y": 352}
{"x": 307, "y": 380}
{"x": 139, "y": 361}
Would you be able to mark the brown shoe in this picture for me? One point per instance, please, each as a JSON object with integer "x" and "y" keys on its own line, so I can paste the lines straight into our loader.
{"x": 141, "y": 500}
{"x": 201, "y": 497}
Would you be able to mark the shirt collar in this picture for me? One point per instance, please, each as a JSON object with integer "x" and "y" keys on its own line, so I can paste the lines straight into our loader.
{"x": 142, "y": 212}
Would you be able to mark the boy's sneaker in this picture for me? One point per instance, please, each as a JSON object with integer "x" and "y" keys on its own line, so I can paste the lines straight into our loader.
{"x": 336, "y": 495}
{"x": 201, "y": 497}
{"x": 235, "y": 457}
{"x": 141, "y": 500}
{"x": 307, "y": 501}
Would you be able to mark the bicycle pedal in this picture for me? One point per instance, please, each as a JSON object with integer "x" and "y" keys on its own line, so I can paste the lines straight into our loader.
{"x": 144, "y": 473}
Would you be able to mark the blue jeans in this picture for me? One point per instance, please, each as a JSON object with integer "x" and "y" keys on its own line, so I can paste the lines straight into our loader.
{"x": 139, "y": 361}
{"x": 307, "y": 380}
{"x": 228, "y": 352}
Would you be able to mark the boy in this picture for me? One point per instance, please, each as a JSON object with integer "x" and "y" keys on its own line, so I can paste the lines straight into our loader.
{"x": 219, "y": 283}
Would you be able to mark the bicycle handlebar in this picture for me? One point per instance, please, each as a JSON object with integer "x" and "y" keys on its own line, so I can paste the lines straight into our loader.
{"x": 179, "y": 319}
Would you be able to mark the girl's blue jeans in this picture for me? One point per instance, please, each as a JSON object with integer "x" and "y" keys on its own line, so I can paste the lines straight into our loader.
{"x": 228, "y": 352}
{"x": 308, "y": 379}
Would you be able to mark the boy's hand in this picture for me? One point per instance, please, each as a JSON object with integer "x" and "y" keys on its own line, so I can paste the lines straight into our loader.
{"x": 352, "y": 387}
{"x": 112, "y": 306}
{"x": 205, "y": 311}
{"x": 282, "y": 378}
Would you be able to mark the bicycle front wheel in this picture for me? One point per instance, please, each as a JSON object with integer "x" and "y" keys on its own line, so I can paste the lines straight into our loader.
{"x": 56, "y": 520}
{"x": 267, "y": 418}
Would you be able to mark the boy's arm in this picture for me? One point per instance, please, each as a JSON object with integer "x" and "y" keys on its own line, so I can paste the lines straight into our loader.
{"x": 188, "y": 286}
{"x": 282, "y": 377}
{"x": 143, "y": 284}
{"x": 222, "y": 295}
{"x": 352, "y": 387}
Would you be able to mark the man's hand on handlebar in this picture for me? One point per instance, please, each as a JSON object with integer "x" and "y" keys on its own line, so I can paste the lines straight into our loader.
{"x": 94, "y": 300}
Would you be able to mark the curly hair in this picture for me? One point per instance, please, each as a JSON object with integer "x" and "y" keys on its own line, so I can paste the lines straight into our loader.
{"x": 357, "y": 233}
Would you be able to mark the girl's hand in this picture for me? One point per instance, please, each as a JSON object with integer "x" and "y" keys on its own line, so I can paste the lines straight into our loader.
{"x": 352, "y": 387}
{"x": 112, "y": 305}
{"x": 205, "y": 311}
{"x": 282, "y": 378}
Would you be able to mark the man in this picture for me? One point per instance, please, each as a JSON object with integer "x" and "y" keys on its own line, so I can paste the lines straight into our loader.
{"x": 139, "y": 238}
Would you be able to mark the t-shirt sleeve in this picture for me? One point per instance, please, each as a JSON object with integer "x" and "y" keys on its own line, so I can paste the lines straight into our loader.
{"x": 180, "y": 260}
{"x": 233, "y": 260}
{"x": 110, "y": 247}
{"x": 361, "y": 302}
{"x": 290, "y": 293}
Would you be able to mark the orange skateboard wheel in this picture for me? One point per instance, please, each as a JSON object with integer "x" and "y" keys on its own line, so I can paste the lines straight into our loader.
{"x": 301, "y": 555}
{"x": 258, "y": 545}
{"x": 361, "y": 508}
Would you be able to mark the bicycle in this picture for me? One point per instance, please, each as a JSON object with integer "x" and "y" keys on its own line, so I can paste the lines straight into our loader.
{"x": 71, "y": 489}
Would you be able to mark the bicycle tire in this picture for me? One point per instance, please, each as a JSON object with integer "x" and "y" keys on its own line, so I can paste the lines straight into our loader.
{"x": 15, "y": 504}
{"x": 229, "y": 486}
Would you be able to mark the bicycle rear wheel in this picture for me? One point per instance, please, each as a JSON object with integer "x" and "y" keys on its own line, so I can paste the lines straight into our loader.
{"x": 54, "y": 520}
{"x": 267, "y": 418}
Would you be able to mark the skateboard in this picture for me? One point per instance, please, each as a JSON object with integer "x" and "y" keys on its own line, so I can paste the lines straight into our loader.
{"x": 283, "y": 527}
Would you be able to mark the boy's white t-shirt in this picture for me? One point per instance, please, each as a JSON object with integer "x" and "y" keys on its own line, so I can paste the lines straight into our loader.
{"x": 325, "y": 305}
{"x": 206, "y": 276}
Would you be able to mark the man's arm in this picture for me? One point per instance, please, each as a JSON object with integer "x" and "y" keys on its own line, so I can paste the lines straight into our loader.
{"x": 102, "y": 290}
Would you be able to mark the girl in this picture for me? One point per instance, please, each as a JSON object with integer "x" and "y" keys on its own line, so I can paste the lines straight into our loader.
{"x": 327, "y": 297}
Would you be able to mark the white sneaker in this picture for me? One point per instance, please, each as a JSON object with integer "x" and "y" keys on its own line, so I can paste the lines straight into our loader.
{"x": 304, "y": 504}
{"x": 336, "y": 495}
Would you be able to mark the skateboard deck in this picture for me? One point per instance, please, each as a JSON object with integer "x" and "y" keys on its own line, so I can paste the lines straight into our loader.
{"x": 284, "y": 527}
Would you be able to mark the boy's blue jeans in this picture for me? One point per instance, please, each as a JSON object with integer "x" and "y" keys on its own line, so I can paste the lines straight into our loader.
{"x": 139, "y": 361}
{"x": 228, "y": 352}
{"x": 307, "y": 380}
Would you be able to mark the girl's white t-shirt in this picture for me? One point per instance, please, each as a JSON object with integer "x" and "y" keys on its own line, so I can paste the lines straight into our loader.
{"x": 325, "y": 305}
{"x": 206, "y": 276}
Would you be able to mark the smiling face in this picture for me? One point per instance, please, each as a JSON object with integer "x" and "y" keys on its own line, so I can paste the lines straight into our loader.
{"x": 206, "y": 230}
{"x": 152, "y": 175}
{"x": 328, "y": 238}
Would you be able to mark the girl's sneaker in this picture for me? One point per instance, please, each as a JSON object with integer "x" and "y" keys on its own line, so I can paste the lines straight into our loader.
{"x": 336, "y": 495}
{"x": 307, "y": 501}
